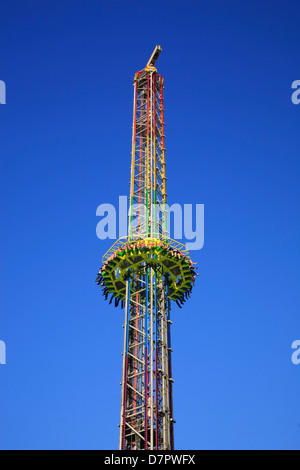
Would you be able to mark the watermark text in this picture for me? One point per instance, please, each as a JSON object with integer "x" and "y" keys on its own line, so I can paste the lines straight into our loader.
{"x": 296, "y": 94}
{"x": 2, "y": 352}
{"x": 182, "y": 222}
{"x": 296, "y": 353}
{"x": 2, "y": 92}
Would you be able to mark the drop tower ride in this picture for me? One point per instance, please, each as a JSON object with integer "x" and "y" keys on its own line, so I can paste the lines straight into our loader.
{"x": 143, "y": 273}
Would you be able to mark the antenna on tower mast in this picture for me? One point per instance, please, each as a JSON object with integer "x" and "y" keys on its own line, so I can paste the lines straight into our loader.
{"x": 154, "y": 56}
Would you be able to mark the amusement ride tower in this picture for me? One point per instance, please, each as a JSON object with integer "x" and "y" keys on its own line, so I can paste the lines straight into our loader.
{"x": 144, "y": 272}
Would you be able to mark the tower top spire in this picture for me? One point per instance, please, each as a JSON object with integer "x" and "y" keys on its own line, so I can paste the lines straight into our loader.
{"x": 154, "y": 56}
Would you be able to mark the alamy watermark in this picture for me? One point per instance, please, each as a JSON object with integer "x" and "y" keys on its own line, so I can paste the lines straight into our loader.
{"x": 296, "y": 353}
{"x": 2, "y": 352}
{"x": 296, "y": 94}
{"x": 188, "y": 221}
{"x": 2, "y": 92}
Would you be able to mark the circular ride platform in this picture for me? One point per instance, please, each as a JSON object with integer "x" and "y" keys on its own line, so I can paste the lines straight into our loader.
{"x": 167, "y": 257}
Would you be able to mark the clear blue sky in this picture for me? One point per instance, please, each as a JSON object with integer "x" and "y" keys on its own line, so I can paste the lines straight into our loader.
{"x": 232, "y": 138}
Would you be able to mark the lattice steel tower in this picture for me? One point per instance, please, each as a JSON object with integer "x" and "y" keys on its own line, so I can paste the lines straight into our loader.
{"x": 143, "y": 273}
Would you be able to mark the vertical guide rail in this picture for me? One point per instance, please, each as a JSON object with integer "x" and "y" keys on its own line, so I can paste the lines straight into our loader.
{"x": 148, "y": 158}
{"x": 125, "y": 370}
{"x": 135, "y": 364}
{"x": 170, "y": 366}
{"x": 133, "y": 155}
{"x": 146, "y": 359}
{"x": 153, "y": 224}
{"x": 151, "y": 362}
{"x": 140, "y": 165}
{"x": 155, "y": 367}
{"x": 164, "y": 179}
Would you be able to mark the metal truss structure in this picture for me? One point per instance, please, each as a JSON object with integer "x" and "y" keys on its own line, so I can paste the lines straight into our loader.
{"x": 147, "y": 405}
{"x": 148, "y": 166}
{"x": 145, "y": 271}
{"x": 146, "y": 409}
